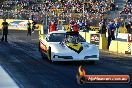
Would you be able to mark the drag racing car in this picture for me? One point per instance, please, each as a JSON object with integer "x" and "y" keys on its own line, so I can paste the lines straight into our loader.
{"x": 67, "y": 46}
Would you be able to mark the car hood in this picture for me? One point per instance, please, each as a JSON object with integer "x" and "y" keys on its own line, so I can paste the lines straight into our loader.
{"x": 57, "y": 47}
{"x": 63, "y": 49}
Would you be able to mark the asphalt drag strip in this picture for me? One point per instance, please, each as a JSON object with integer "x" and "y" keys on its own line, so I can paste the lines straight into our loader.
{"x": 21, "y": 59}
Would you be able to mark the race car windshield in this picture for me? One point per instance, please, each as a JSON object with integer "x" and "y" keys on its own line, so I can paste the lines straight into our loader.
{"x": 75, "y": 38}
{"x": 59, "y": 37}
{"x": 56, "y": 37}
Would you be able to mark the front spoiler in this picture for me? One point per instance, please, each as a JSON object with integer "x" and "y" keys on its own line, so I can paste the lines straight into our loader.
{"x": 79, "y": 59}
{"x": 61, "y": 59}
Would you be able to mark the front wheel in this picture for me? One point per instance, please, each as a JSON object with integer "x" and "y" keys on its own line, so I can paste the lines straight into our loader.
{"x": 39, "y": 46}
{"x": 49, "y": 53}
{"x": 43, "y": 55}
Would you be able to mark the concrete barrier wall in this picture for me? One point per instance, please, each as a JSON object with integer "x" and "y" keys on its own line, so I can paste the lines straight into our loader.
{"x": 131, "y": 48}
{"x": 120, "y": 46}
{"x": 18, "y": 24}
{"x": 114, "y": 46}
{"x": 86, "y": 35}
{"x": 102, "y": 43}
{"x": 121, "y": 36}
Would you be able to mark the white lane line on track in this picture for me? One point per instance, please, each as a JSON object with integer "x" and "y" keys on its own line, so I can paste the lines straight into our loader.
{"x": 5, "y": 80}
